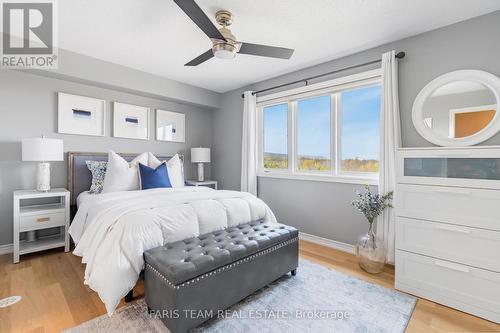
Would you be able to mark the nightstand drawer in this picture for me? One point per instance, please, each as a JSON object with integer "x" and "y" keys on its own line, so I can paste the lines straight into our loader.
{"x": 41, "y": 221}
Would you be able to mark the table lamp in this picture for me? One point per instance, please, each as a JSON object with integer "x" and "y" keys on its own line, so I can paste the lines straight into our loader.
{"x": 200, "y": 155}
{"x": 42, "y": 150}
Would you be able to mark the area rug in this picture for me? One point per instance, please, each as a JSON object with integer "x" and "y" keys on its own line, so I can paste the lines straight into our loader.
{"x": 317, "y": 299}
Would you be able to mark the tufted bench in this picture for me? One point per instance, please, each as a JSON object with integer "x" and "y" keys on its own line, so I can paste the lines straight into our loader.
{"x": 205, "y": 274}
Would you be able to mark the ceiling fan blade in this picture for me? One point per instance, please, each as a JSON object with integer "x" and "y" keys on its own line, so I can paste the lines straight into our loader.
{"x": 201, "y": 58}
{"x": 266, "y": 51}
{"x": 198, "y": 16}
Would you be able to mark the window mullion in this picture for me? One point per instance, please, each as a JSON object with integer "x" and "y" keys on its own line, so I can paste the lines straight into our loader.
{"x": 333, "y": 131}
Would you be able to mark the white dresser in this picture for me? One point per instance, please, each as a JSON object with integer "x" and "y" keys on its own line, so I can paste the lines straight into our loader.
{"x": 448, "y": 227}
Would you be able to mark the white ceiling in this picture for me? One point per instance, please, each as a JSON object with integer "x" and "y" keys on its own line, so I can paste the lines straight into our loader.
{"x": 155, "y": 36}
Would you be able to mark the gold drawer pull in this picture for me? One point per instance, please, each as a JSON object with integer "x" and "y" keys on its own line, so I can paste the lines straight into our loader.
{"x": 43, "y": 219}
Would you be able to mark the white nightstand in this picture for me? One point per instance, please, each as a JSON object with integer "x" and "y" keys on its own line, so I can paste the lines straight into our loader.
{"x": 29, "y": 217}
{"x": 203, "y": 183}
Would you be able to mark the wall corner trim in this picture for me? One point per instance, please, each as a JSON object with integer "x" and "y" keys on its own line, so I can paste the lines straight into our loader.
{"x": 6, "y": 248}
{"x": 327, "y": 242}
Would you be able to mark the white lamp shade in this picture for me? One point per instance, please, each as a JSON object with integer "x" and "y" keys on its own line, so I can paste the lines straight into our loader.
{"x": 42, "y": 150}
{"x": 200, "y": 155}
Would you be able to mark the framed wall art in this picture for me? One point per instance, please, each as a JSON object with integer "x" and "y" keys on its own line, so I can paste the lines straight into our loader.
{"x": 170, "y": 126}
{"x": 130, "y": 121}
{"x": 80, "y": 115}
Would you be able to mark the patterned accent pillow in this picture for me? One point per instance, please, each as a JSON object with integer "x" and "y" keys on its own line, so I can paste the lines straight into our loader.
{"x": 98, "y": 170}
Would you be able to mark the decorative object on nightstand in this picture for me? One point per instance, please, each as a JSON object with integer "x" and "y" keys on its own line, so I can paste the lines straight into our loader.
{"x": 202, "y": 183}
{"x": 29, "y": 217}
{"x": 370, "y": 250}
{"x": 42, "y": 150}
{"x": 200, "y": 155}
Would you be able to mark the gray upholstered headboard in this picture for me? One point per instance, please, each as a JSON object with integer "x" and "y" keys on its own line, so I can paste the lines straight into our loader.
{"x": 79, "y": 176}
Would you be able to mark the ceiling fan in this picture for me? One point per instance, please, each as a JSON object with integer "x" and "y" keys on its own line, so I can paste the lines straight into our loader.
{"x": 224, "y": 43}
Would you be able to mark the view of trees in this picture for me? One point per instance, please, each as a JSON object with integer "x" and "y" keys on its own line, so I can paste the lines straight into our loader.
{"x": 357, "y": 165}
{"x": 275, "y": 161}
{"x": 280, "y": 161}
{"x": 314, "y": 163}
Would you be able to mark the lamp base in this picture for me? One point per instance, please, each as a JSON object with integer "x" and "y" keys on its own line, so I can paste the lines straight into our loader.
{"x": 201, "y": 176}
{"x": 43, "y": 177}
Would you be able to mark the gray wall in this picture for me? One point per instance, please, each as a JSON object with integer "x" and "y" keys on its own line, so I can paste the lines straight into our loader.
{"x": 84, "y": 69}
{"x": 28, "y": 108}
{"x": 322, "y": 209}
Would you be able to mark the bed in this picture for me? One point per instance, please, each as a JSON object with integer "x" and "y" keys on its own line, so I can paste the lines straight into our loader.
{"x": 112, "y": 231}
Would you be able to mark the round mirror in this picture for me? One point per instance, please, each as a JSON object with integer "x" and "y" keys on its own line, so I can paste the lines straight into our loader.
{"x": 458, "y": 108}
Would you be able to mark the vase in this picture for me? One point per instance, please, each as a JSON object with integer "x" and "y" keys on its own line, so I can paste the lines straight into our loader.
{"x": 370, "y": 251}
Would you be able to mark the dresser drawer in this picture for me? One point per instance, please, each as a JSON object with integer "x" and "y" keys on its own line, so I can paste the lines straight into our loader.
{"x": 471, "y": 246}
{"x": 464, "y": 206}
{"x": 463, "y": 287}
{"x": 42, "y": 221}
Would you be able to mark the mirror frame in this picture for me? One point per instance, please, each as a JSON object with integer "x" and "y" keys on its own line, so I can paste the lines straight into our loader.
{"x": 489, "y": 80}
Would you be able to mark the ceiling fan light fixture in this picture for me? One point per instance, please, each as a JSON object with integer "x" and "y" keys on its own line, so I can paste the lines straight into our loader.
{"x": 224, "y": 51}
{"x": 224, "y": 44}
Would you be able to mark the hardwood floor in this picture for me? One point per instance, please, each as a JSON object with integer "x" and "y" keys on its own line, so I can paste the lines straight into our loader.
{"x": 54, "y": 297}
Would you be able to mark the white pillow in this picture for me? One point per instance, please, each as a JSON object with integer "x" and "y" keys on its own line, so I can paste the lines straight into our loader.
{"x": 122, "y": 175}
{"x": 174, "y": 168}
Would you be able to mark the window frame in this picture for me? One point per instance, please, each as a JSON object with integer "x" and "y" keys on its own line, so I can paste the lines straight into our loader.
{"x": 333, "y": 88}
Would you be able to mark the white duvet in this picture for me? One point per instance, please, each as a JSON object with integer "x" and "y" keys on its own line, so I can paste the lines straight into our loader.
{"x": 113, "y": 230}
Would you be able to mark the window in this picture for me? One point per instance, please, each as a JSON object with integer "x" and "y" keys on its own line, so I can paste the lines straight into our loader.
{"x": 313, "y": 134}
{"x": 276, "y": 136}
{"x": 360, "y": 129}
{"x": 329, "y": 132}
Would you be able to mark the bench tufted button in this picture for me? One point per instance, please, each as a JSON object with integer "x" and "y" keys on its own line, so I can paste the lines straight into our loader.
{"x": 262, "y": 234}
{"x": 266, "y": 226}
{"x": 272, "y": 230}
{"x": 282, "y": 227}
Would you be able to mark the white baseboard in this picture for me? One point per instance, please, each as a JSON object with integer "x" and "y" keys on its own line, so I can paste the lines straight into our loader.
{"x": 6, "y": 248}
{"x": 327, "y": 242}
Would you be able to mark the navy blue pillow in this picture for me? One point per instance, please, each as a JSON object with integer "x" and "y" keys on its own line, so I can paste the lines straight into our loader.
{"x": 154, "y": 178}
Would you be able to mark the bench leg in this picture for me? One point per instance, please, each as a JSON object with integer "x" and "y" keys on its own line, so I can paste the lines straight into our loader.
{"x": 294, "y": 272}
{"x": 130, "y": 296}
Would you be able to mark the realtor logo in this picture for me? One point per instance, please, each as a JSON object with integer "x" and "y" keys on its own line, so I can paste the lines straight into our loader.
{"x": 28, "y": 34}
